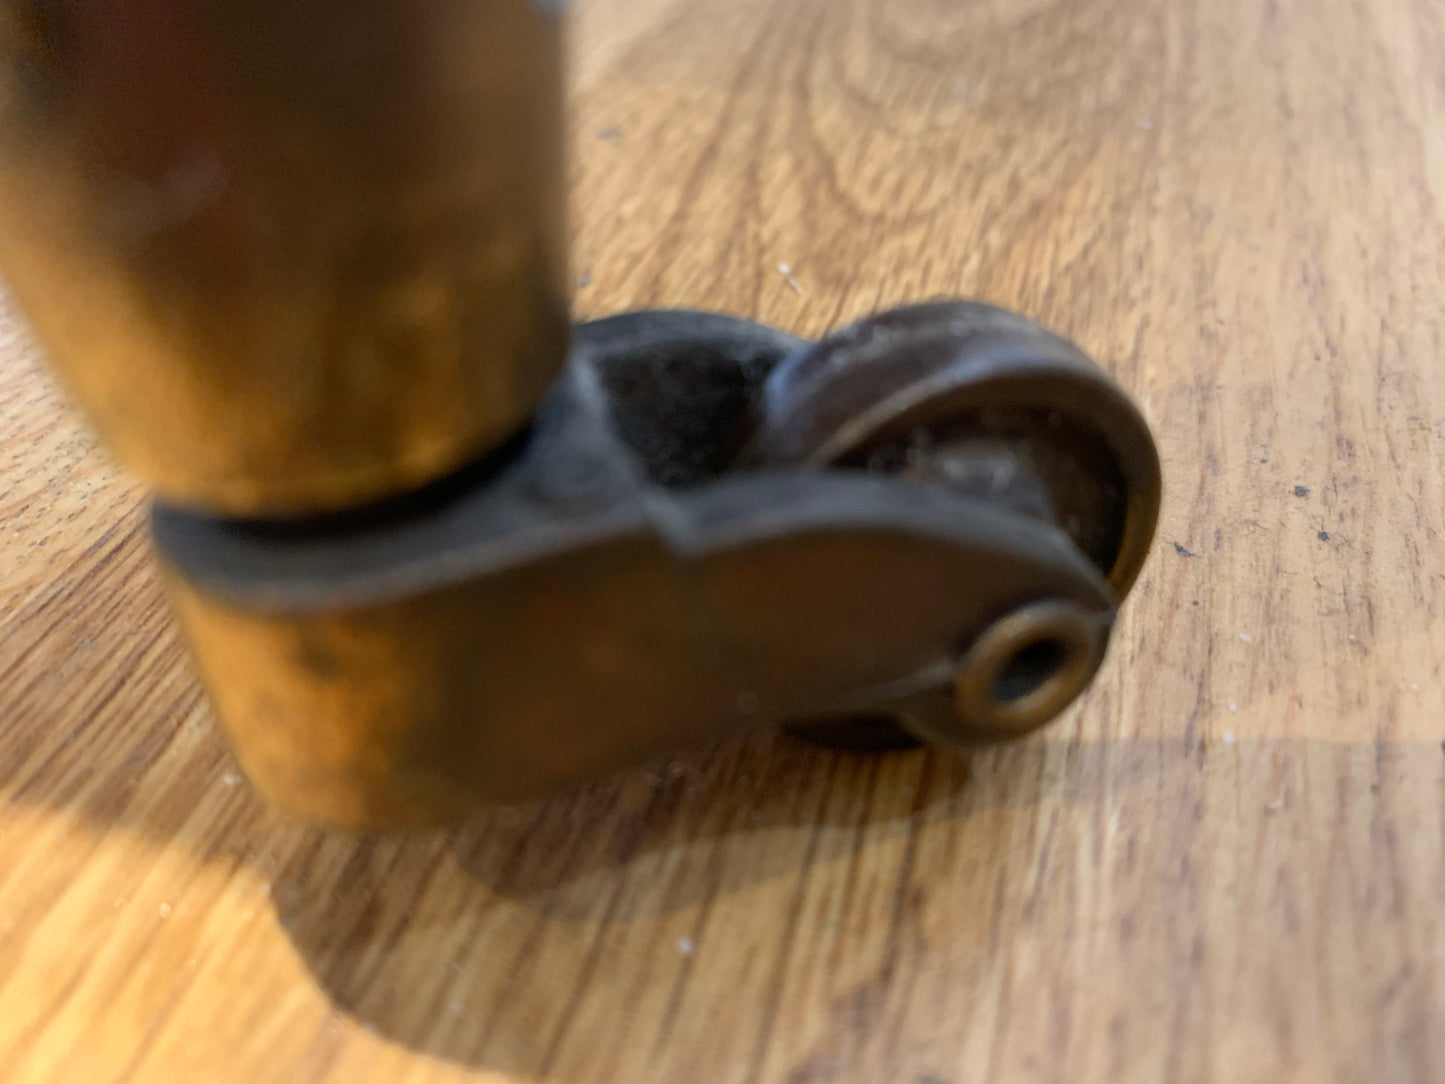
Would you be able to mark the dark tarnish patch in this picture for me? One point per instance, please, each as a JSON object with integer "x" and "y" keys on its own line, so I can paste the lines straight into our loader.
{"x": 684, "y": 413}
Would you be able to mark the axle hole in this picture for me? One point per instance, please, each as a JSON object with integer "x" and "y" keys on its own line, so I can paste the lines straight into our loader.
{"x": 1029, "y": 669}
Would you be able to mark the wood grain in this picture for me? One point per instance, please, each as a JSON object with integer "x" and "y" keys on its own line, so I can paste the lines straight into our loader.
{"x": 1227, "y": 864}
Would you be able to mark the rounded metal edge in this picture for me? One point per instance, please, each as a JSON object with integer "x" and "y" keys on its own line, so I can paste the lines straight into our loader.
{"x": 982, "y": 700}
{"x": 955, "y": 356}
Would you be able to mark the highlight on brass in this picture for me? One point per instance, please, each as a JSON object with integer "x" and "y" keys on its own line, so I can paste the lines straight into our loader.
{"x": 303, "y": 266}
{"x": 288, "y": 259}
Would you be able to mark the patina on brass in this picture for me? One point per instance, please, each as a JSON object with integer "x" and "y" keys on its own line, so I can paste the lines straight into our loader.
{"x": 288, "y": 256}
{"x": 658, "y": 563}
{"x": 303, "y": 266}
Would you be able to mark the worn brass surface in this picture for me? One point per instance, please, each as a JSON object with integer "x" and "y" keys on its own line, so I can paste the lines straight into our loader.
{"x": 619, "y": 586}
{"x": 304, "y": 267}
{"x": 986, "y": 401}
{"x": 288, "y": 256}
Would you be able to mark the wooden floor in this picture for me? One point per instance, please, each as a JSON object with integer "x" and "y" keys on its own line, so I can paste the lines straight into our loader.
{"x": 1227, "y": 864}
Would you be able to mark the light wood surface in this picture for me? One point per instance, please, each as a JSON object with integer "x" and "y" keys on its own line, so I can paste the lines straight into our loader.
{"x": 1227, "y": 864}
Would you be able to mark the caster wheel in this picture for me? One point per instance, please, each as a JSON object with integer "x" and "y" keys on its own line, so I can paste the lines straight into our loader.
{"x": 1001, "y": 411}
